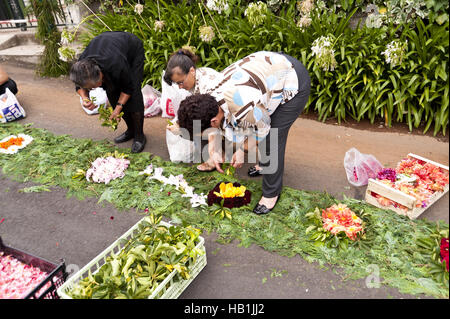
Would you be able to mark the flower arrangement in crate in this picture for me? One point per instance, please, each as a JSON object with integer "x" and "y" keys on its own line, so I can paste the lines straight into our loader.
{"x": 336, "y": 226}
{"x": 413, "y": 177}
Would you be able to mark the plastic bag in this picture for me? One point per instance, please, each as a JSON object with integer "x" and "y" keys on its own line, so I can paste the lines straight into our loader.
{"x": 99, "y": 97}
{"x": 171, "y": 98}
{"x": 152, "y": 101}
{"x": 10, "y": 108}
{"x": 360, "y": 167}
{"x": 180, "y": 149}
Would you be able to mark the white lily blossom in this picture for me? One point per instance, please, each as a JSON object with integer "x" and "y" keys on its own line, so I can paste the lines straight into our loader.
{"x": 217, "y": 5}
{"x": 178, "y": 181}
{"x": 395, "y": 52}
{"x": 138, "y": 8}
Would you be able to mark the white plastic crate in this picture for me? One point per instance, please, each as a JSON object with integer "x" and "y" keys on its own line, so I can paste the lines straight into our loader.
{"x": 167, "y": 289}
{"x": 401, "y": 198}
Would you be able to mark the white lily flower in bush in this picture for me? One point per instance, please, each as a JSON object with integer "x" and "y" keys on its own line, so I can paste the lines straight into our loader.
{"x": 217, "y": 5}
{"x": 322, "y": 49}
{"x": 304, "y": 22}
{"x": 395, "y": 52}
{"x": 374, "y": 20}
{"x": 256, "y": 13}
{"x": 305, "y": 6}
{"x": 66, "y": 53}
{"x": 138, "y": 8}
{"x": 159, "y": 25}
{"x": 206, "y": 33}
{"x": 66, "y": 37}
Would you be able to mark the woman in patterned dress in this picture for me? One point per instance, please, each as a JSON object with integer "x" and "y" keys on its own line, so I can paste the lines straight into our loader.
{"x": 254, "y": 104}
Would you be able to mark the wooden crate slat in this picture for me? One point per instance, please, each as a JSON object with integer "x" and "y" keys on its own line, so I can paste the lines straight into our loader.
{"x": 391, "y": 193}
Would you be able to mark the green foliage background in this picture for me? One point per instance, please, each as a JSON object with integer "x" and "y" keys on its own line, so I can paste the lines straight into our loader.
{"x": 363, "y": 86}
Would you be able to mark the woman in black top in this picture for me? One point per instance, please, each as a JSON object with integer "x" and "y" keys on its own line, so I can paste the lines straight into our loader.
{"x": 115, "y": 62}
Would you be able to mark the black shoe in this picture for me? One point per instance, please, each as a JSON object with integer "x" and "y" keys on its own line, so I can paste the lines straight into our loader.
{"x": 262, "y": 209}
{"x": 138, "y": 146}
{"x": 253, "y": 172}
{"x": 124, "y": 137}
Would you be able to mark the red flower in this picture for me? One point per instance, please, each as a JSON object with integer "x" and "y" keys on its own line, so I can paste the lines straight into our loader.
{"x": 444, "y": 251}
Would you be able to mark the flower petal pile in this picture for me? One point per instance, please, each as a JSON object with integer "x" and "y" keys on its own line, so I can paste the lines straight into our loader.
{"x": 415, "y": 178}
{"x": 339, "y": 218}
{"x": 232, "y": 194}
{"x": 18, "y": 279}
{"x": 104, "y": 170}
{"x": 12, "y": 144}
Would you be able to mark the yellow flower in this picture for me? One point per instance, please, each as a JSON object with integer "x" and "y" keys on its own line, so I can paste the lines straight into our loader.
{"x": 229, "y": 191}
{"x": 382, "y": 10}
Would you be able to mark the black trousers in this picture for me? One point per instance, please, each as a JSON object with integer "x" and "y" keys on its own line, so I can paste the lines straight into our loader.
{"x": 11, "y": 85}
{"x": 272, "y": 156}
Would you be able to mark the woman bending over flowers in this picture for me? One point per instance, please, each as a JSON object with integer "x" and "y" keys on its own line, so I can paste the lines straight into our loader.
{"x": 256, "y": 102}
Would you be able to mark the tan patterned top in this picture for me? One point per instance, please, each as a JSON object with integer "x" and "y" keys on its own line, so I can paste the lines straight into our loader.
{"x": 251, "y": 89}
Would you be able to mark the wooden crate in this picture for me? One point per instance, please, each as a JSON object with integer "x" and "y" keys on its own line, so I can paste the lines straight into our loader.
{"x": 401, "y": 198}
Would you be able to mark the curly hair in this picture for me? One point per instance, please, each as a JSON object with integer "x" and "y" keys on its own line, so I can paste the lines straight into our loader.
{"x": 184, "y": 59}
{"x": 200, "y": 107}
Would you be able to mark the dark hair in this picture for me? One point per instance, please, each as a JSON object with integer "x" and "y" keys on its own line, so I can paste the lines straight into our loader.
{"x": 84, "y": 72}
{"x": 203, "y": 107}
{"x": 184, "y": 59}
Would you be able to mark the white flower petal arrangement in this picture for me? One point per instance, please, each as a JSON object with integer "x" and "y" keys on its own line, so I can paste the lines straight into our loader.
{"x": 106, "y": 169}
{"x": 178, "y": 181}
{"x": 12, "y": 144}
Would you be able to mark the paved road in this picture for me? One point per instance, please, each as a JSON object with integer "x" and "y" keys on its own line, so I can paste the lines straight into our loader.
{"x": 53, "y": 227}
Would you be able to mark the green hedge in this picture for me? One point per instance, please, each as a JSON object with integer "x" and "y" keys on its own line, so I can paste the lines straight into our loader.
{"x": 362, "y": 86}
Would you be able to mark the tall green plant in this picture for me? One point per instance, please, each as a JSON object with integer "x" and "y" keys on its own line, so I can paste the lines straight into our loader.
{"x": 49, "y": 36}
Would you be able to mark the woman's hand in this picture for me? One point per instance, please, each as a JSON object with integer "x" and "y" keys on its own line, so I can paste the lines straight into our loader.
{"x": 217, "y": 159}
{"x": 88, "y": 104}
{"x": 238, "y": 158}
{"x": 174, "y": 128}
{"x": 116, "y": 113}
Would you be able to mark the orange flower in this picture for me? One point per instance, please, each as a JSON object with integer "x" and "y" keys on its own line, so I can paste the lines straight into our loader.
{"x": 339, "y": 218}
{"x": 12, "y": 141}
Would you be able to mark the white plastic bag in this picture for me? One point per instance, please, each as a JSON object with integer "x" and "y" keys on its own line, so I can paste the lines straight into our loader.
{"x": 171, "y": 97}
{"x": 360, "y": 167}
{"x": 152, "y": 101}
{"x": 180, "y": 149}
{"x": 10, "y": 108}
{"x": 99, "y": 97}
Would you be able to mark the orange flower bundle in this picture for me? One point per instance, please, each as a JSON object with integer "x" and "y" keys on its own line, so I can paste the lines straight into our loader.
{"x": 339, "y": 218}
{"x": 12, "y": 141}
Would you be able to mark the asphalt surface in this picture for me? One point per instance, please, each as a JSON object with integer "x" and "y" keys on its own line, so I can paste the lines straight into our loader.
{"x": 49, "y": 225}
